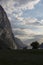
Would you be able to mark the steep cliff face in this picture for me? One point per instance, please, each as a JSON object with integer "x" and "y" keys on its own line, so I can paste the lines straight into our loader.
{"x": 6, "y": 34}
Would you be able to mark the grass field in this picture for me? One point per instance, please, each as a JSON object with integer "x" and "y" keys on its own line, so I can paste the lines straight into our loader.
{"x": 21, "y": 57}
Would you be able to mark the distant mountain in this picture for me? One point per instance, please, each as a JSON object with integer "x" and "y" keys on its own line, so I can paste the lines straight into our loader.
{"x": 20, "y": 44}
{"x": 41, "y": 46}
{"x": 6, "y": 34}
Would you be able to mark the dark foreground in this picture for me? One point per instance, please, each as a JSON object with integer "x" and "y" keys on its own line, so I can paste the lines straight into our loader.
{"x": 21, "y": 57}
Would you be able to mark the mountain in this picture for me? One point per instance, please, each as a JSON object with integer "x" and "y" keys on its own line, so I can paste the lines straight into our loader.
{"x": 3, "y": 45}
{"x": 41, "y": 46}
{"x": 6, "y": 34}
{"x": 20, "y": 44}
{"x": 7, "y": 39}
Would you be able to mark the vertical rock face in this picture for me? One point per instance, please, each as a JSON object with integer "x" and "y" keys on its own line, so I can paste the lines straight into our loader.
{"x": 6, "y": 34}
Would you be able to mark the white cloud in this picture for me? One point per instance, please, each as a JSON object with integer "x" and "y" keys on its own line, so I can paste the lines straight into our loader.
{"x": 27, "y": 4}
{"x": 18, "y": 5}
{"x": 41, "y": 21}
{"x": 23, "y": 37}
{"x": 19, "y": 18}
{"x": 15, "y": 7}
{"x": 27, "y": 32}
{"x": 29, "y": 20}
{"x": 23, "y": 34}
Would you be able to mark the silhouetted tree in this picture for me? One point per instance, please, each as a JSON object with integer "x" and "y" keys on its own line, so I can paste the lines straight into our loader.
{"x": 35, "y": 45}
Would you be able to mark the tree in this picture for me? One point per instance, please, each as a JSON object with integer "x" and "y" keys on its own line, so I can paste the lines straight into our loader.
{"x": 35, "y": 45}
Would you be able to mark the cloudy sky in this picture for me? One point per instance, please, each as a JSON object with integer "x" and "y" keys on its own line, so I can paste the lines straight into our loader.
{"x": 26, "y": 18}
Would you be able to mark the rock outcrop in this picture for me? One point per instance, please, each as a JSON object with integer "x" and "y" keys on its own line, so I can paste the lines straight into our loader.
{"x": 6, "y": 35}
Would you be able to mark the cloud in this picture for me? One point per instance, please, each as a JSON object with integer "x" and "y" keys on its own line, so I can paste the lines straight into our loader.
{"x": 24, "y": 34}
{"x": 29, "y": 21}
{"x": 41, "y": 21}
{"x": 21, "y": 4}
{"x": 18, "y": 5}
{"x": 27, "y": 28}
{"x": 14, "y": 9}
{"x": 27, "y": 4}
{"x": 27, "y": 32}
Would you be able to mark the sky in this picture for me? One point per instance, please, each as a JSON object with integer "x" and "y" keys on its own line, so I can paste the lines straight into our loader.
{"x": 26, "y": 18}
